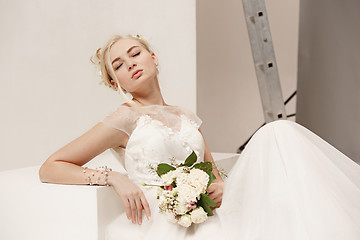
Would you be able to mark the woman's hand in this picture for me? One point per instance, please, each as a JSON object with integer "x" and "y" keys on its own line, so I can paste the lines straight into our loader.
{"x": 132, "y": 196}
{"x": 215, "y": 191}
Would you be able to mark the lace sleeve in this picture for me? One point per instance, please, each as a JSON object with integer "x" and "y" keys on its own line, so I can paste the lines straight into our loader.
{"x": 123, "y": 119}
{"x": 192, "y": 116}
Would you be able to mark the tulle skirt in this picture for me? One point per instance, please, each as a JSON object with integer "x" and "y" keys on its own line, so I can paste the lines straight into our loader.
{"x": 288, "y": 184}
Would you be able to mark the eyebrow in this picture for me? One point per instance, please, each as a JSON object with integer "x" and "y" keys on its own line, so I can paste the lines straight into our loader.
{"x": 126, "y": 52}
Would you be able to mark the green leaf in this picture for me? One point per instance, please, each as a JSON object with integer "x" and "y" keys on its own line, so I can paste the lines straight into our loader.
{"x": 205, "y": 166}
{"x": 164, "y": 168}
{"x": 205, "y": 198}
{"x": 206, "y": 203}
{"x": 211, "y": 178}
{"x": 190, "y": 160}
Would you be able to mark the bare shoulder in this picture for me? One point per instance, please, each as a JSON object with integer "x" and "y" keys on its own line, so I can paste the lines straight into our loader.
{"x": 105, "y": 135}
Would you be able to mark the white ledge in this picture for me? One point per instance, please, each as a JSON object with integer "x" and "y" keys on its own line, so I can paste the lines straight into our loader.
{"x": 31, "y": 209}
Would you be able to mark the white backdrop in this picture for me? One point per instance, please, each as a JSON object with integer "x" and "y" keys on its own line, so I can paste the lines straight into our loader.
{"x": 228, "y": 96}
{"x": 49, "y": 90}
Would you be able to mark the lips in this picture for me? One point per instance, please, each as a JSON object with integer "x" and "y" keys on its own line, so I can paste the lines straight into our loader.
{"x": 137, "y": 73}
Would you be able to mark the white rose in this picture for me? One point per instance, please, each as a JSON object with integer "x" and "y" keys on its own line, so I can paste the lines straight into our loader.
{"x": 168, "y": 178}
{"x": 198, "y": 215}
{"x": 187, "y": 194}
{"x": 198, "y": 179}
{"x": 181, "y": 177}
{"x": 181, "y": 208}
{"x": 171, "y": 217}
{"x": 185, "y": 220}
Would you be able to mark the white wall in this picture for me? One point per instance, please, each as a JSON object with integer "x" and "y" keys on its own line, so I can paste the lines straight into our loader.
{"x": 49, "y": 92}
{"x": 228, "y": 96}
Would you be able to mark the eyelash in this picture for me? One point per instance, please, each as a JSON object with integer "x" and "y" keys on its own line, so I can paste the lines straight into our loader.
{"x": 133, "y": 56}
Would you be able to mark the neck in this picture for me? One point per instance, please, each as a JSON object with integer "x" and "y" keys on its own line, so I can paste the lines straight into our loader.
{"x": 152, "y": 96}
{"x": 148, "y": 102}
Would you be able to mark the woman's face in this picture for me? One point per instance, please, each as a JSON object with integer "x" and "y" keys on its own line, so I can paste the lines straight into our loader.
{"x": 132, "y": 63}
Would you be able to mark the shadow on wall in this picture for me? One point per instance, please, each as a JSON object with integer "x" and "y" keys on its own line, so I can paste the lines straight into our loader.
{"x": 328, "y": 77}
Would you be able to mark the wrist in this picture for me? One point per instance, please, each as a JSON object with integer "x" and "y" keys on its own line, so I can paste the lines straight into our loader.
{"x": 98, "y": 176}
{"x": 112, "y": 176}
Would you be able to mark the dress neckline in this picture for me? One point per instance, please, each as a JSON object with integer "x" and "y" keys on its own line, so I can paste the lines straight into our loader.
{"x": 154, "y": 105}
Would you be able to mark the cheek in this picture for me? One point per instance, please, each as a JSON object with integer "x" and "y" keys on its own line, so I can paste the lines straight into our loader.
{"x": 151, "y": 66}
{"x": 122, "y": 77}
{"x": 148, "y": 61}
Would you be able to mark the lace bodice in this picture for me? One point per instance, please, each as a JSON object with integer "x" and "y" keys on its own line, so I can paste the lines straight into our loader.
{"x": 156, "y": 134}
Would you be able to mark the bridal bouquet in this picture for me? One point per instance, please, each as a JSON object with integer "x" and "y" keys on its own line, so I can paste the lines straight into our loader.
{"x": 182, "y": 195}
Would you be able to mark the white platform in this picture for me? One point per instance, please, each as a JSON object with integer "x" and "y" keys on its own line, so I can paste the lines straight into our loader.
{"x": 30, "y": 209}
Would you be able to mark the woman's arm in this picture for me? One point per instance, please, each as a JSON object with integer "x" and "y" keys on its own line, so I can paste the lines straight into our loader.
{"x": 216, "y": 188}
{"x": 208, "y": 158}
{"x": 64, "y": 167}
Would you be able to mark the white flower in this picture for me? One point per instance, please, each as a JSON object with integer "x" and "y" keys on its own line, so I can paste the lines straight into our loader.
{"x": 162, "y": 202}
{"x": 181, "y": 208}
{"x": 198, "y": 179}
{"x": 168, "y": 178}
{"x": 198, "y": 215}
{"x": 187, "y": 194}
{"x": 180, "y": 174}
{"x": 174, "y": 191}
{"x": 171, "y": 217}
{"x": 185, "y": 220}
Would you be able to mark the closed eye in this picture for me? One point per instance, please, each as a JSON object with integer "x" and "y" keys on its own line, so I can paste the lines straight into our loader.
{"x": 121, "y": 64}
{"x": 118, "y": 67}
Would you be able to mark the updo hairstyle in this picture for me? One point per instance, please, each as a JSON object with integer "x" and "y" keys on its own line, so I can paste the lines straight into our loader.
{"x": 102, "y": 60}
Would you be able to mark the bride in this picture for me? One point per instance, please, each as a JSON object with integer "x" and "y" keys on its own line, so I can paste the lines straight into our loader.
{"x": 287, "y": 184}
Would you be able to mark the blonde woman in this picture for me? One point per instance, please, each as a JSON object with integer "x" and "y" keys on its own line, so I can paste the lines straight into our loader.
{"x": 287, "y": 184}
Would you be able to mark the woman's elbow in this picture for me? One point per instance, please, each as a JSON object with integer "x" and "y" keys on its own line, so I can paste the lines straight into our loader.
{"x": 44, "y": 171}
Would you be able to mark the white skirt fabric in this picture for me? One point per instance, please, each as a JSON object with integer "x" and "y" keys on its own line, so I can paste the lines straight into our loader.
{"x": 288, "y": 184}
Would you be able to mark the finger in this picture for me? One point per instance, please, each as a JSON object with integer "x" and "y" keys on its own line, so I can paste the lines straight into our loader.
{"x": 127, "y": 207}
{"x": 216, "y": 206}
{"x": 211, "y": 188}
{"x": 139, "y": 210}
{"x": 133, "y": 209}
{"x": 212, "y": 196}
{"x": 146, "y": 206}
{"x": 217, "y": 199}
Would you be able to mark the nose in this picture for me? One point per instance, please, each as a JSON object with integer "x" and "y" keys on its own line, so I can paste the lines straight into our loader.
{"x": 131, "y": 66}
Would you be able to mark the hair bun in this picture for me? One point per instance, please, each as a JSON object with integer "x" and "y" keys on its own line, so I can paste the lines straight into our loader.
{"x": 95, "y": 59}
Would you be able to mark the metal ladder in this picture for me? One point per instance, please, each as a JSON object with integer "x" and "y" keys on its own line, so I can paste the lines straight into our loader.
{"x": 264, "y": 60}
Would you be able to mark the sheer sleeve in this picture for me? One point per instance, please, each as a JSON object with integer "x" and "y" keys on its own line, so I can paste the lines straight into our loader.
{"x": 123, "y": 119}
{"x": 192, "y": 117}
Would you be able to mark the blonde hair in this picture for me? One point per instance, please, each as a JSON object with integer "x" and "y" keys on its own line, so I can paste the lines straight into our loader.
{"x": 102, "y": 60}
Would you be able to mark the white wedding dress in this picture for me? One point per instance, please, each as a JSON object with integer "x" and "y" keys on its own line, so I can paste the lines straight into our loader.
{"x": 288, "y": 184}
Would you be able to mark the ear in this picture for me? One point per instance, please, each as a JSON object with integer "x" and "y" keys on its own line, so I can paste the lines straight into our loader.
{"x": 154, "y": 58}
